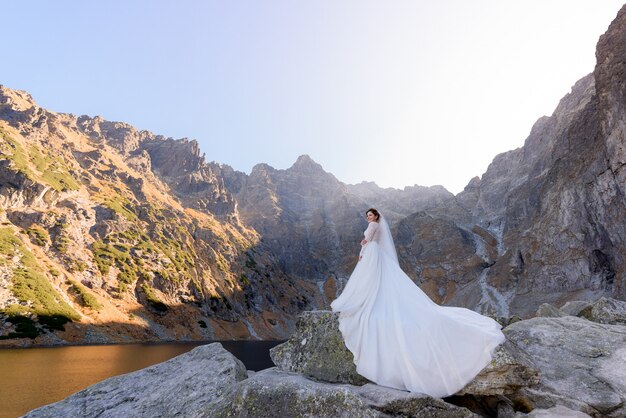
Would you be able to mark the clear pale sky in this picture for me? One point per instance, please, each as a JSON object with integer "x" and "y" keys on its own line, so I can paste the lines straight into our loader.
{"x": 397, "y": 92}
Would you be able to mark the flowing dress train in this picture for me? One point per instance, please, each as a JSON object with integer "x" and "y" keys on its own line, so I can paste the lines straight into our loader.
{"x": 400, "y": 338}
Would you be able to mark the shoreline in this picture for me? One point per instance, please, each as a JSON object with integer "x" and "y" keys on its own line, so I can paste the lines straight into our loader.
{"x": 149, "y": 342}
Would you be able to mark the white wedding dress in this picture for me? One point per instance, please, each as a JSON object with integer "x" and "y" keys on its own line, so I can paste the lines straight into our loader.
{"x": 399, "y": 337}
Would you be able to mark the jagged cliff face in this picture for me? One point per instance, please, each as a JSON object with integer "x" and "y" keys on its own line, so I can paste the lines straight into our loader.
{"x": 546, "y": 220}
{"x": 132, "y": 235}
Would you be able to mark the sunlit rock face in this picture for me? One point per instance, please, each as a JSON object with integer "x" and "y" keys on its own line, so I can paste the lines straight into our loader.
{"x": 117, "y": 235}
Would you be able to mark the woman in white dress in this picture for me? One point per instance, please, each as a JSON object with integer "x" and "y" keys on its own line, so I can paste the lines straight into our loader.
{"x": 399, "y": 337}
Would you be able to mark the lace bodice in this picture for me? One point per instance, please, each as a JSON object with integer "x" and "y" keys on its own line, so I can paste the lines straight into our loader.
{"x": 370, "y": 235}
{"x": 370, "y": 232}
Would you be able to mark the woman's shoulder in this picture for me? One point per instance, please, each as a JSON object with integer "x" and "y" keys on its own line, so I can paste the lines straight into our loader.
{"x": 373, "y": 225}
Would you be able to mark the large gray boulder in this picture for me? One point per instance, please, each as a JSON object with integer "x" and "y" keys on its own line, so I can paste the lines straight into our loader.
{"x": 183, "y": 386}
{"x": 316, "y": 349}
{"x": 581, "y": 364}
{"x": 276, "y": 393}
{"x": 549, "y": 311}
{"x": 605, "y": 311}
{"x": 575, "y": 307}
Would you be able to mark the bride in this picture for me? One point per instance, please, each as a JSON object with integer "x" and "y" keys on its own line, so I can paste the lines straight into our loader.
{"x": 398, "y": 336}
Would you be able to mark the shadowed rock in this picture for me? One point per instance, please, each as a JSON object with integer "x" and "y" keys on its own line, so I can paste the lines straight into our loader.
{"x": 510, "y": 369}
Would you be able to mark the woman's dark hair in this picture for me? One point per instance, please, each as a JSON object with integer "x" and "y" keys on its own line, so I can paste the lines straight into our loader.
{"x": 375, "y": 212}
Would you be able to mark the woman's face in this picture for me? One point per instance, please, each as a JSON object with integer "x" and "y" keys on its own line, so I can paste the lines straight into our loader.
{"x": 370, "y": 217}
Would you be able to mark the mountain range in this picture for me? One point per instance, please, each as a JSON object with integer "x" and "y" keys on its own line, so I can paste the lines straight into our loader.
{"x": 113, "y": 234}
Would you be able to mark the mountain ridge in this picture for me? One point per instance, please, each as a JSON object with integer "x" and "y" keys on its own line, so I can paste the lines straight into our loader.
{"x": 126, "y": 235}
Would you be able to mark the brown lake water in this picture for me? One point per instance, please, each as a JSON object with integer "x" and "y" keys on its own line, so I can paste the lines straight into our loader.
{"x": 32, "y": 377}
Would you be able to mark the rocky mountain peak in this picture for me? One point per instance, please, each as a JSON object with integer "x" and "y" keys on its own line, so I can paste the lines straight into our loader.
{"x": 305, "y": 163}
{"x": 19, "y": 109}
{"x": 15, "y": 100}
{"x": 119, "y": 135}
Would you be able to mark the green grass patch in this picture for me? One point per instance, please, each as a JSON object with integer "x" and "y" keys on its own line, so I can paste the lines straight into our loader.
{"x": 29, "y": 282}
{"x": 62, "y": 243}
{"x": 12, "y": 150}
{"x": 57, "y": 175}
{"x": 85, "y": 297}
{"x": 222, "y": 264}
{"x": 120, "y": 205}
{"x": 79, "y": 266}
{"x": 9, "y": 243}
{"x": 250, "y": 263}
{"x": 38, "y": 235}
{"x": 156, "y": 303}
{"x": 38, "y": 160}
{"x": 243, "y": 279}
{"x": 61, "y": 240}
{"x": 53, "y": 170}
{"x": 105, "y": 255}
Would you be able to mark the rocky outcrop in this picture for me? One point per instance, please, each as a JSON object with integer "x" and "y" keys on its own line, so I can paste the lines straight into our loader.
{"x": 574, "y": 307}
{"x": 547, "y": 310}
{"x": 581, "y": 364}
{"x": 554, "y": 204}
{"x": 316, "y": 350}
{"x": 547, "y": 363}
{"x": 396, "y": 203}
{"x": 605, "y": 311}
{"x": 198, "y": 184}
{"x": 178, "y": 387}
{"x": 556, "y": 412}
